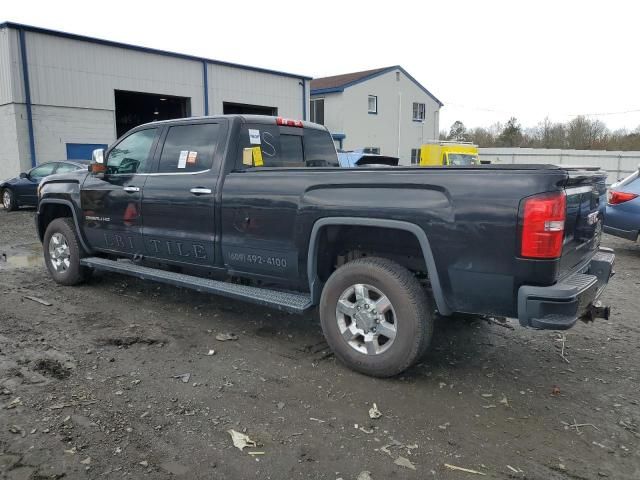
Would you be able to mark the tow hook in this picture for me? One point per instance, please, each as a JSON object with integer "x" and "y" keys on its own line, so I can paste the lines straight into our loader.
{"x": 596, "y": 310}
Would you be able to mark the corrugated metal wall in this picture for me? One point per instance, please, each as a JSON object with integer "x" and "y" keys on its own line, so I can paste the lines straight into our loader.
{"x": 228, "y": 84}
{"x": 617, "y": 164}
{"x": 72, "y": 83}
{"x": 69, "y": 73}
{"x": 8, "y": 64}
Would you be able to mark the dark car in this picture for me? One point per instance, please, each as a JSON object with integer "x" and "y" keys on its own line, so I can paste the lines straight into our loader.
{"x": 622, "y": 218}
{"x": 23, "y": 189}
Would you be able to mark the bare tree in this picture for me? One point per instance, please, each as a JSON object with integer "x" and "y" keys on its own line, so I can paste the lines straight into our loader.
{"x": 584, "y": 134}
{"x": 550, "y": 135}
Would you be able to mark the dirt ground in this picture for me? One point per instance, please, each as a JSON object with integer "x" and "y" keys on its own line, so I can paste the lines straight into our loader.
{"x": 94, "y": 386}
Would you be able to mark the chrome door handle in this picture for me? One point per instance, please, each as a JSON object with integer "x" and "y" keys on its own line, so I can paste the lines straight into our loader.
{"x": 131, "y": 189}
{"x": 200, "y": 191}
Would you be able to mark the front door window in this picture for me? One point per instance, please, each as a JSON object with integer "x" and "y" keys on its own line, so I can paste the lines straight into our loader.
{"x": 131, "y": 154}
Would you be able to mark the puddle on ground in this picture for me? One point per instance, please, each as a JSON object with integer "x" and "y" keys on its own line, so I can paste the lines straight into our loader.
{"x": 21, "y": 256}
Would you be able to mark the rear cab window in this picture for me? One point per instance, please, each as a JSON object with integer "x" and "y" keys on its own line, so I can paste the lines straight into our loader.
{"x": 275, "y": 146}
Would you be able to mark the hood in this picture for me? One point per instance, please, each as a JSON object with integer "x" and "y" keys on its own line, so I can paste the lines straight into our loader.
{"x": 9, "y": 181}
{"x": 74, "y": 176}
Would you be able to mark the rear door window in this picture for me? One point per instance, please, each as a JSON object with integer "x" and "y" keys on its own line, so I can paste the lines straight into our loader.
{"x": 189, "y": 148}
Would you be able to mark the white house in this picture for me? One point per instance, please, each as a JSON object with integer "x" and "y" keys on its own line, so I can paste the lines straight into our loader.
{"x": 383, "y": 111}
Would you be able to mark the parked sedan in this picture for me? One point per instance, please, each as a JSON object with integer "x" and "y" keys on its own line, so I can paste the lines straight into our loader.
{"x": 622, "y": 217}
{"x": 22, "y": 190}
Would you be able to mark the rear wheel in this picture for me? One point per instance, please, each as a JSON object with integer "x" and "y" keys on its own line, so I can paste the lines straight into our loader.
{"x": 9, "y": 200}
{"x": 376, "y": 316}
{"x": 62, "y": 253}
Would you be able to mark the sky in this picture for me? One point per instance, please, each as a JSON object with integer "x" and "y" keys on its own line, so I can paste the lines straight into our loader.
{"x": 485, "y": 60}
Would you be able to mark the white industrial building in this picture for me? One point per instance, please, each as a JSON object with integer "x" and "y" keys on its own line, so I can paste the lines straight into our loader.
{"x": 62, "y": 95}
{"x": 384, "y": 111}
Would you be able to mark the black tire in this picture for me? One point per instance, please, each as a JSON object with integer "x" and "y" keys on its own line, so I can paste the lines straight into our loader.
{"x": 413, "y": 316}
{"x": 9, "y": 201}
{"x": 74, "y": 273}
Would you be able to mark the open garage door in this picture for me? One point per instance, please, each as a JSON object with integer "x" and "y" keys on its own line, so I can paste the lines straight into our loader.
{"x": 136, "y": 108}
{"x": 229, "y": 108}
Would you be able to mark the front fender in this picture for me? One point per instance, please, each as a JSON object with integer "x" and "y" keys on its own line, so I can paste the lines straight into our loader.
{"x": 56, "y": 200}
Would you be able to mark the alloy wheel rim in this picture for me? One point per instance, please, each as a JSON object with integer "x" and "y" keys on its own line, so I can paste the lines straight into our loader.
{"x": 6, "y": 199}
{"x": 366, "y": 319}
{"x": 59, "y": 253}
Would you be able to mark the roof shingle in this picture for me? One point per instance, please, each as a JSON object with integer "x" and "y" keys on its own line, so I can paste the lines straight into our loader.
{"x": 338, "y": 81}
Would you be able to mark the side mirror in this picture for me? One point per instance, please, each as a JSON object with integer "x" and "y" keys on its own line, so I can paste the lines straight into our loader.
{"x": 97, "y": 162}
{"x": 97, "y": 156}
{"x": 23, "y": 175}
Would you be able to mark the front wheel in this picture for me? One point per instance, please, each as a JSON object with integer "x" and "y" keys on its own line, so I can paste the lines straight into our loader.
{"x": 9, "y": 200}
{"x": 376, "y": 316}
{"x": 62, "y": 252}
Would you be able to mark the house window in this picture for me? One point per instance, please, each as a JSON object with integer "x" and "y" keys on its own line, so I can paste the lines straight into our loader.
{"x": 317, "y": 110}
{"x": 373, "y": 104}
{"x": 418, "y": 112}
{"x": 374, "y": 150}
{"x": 415, "y": 156}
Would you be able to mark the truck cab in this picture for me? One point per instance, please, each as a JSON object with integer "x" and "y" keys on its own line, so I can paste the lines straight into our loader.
{"x": 444, "y": 153}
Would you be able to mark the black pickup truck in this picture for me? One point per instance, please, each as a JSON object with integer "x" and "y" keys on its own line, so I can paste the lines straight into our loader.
{"x": 257, "y": 208}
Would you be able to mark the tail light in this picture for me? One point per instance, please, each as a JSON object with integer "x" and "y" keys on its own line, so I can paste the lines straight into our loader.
{"x": 543, "y": 219}
{"x": 615, "y": 198}
{"x": 287, "y": 122}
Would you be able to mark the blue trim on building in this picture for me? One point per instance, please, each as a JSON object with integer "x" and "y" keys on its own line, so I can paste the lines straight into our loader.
{"x": 341, "y": 88}
{"x": 27, "y": 96}
{"x": 205, "y": 81}
{"x": 339, "y": 137}
{"x": 82, "y": 151}
{"x": 320, "y": 91}
{"x": 110, "y": 43}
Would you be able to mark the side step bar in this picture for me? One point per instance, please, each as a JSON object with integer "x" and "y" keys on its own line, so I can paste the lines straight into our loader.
{"x": 287, "y": 301}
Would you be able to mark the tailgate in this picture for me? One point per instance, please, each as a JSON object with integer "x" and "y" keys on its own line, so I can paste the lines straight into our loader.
{"x": 586, "y": 197}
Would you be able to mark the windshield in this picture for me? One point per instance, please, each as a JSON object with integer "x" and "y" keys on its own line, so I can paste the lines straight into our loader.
{"x": 462, "y": 159}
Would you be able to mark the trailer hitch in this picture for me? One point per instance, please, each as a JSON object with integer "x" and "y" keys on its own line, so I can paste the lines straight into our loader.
{"x": 596, "y": 310}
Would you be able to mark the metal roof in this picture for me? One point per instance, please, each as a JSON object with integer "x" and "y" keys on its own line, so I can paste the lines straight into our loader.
{"x": 338, "y": 83}
{"x": 110, "y": 43}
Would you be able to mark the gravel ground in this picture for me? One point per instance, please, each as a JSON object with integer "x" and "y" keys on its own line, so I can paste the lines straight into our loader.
{"x": 114, "y": 379}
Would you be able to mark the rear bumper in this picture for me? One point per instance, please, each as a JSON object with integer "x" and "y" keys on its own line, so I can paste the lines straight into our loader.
{"x": 618, "y": 232}
{"x": 559, "y": 306}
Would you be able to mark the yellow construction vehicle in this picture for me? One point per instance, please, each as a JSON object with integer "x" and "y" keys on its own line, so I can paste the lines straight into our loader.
{"x": 439, "y": 153}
